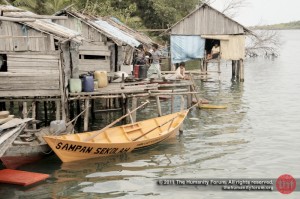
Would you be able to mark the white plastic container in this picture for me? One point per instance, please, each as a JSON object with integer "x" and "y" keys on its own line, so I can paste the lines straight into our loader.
{"x": 57, "y": 127}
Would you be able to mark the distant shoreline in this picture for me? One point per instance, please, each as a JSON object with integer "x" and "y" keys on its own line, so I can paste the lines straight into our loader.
{"x": 282, "y": 26}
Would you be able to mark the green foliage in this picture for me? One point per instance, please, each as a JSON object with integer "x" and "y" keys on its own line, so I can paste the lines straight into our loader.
{"x": 152, "y": 14}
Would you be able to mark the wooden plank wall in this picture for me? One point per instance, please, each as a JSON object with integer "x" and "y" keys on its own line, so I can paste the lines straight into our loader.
{"x": 15, "y": 37}
{"x": 207, "y": 21}
{"x": 86, "y": 65}
{"x": 31, "y": 74}
{"x": 82, "y": 27}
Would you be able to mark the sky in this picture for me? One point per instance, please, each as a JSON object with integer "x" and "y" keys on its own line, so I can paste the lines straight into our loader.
{"x": 265, "y": 12}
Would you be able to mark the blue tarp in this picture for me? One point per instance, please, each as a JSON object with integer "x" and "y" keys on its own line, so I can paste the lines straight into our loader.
{"x": 184, "y": 48}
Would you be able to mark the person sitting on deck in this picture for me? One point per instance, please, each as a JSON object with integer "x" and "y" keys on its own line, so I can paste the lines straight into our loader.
{"x": 215, "y": 52}
{"x": 179, "y": 73}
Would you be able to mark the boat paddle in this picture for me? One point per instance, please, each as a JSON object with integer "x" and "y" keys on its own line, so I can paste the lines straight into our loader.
{"x": 114, "y": 122}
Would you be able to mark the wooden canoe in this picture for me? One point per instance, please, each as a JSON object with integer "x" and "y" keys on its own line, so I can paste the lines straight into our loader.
{"x": 115, "y": 140}
{"x": 211, "y": 106}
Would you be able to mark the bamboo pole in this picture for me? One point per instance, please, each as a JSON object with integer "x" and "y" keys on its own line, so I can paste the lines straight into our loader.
{"x": 114, "y": 122}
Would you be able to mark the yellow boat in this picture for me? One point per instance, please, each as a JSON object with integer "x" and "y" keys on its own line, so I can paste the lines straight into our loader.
{"x": 211, "y": 106}
{"x": 115, "y": 140}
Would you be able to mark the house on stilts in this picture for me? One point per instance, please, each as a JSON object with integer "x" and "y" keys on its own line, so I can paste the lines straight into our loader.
{"x": 109, "y": 43}
{"x": 35, "y": 60}
{"x": 194, "y": 36}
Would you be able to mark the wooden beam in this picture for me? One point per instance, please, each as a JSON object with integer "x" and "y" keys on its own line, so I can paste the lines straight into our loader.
{"x": 13, "y": 19}
{"x": 37, "y": 16}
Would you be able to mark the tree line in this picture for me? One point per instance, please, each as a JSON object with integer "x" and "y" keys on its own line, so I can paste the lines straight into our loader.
{"x": 138, "y": 14}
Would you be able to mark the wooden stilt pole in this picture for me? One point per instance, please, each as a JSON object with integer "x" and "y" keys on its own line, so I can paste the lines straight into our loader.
{"x": 172, "y": 103}
{"x": 181, "y": 109}
{"x": 134, "y": 105}
{"x": 86, "y": 115}
{"x": 46, "y": 112}
{"x": 242, "y": 70}
{"x": 238, "y": 70}
{"x": 93, "y": 109}
{"x": 11, "y": 108}
{"x": 158, "y": 106}
{"x": 57, "y": 112}
{"x": 24, "y": 112}
{"x": 33, "y": 114}
{"x": 233, "y": 63}
{"x": 219, "y": 69}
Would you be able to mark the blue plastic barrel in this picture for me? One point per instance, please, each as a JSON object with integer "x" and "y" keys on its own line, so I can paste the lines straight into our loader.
{"x": 88, "y": 84}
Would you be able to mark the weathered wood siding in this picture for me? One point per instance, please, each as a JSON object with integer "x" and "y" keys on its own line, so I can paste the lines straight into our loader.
{"x": 96, "y": 47}
{"x": 81, "y": 27}
{"x": 16, "y": 37}
{"x": 31, "y": 74}
{"x": 207, "y": 21}
{"x": 102, "y": 58}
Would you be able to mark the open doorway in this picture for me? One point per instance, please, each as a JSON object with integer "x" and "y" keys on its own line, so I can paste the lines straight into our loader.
{"x": 209, "y": 44}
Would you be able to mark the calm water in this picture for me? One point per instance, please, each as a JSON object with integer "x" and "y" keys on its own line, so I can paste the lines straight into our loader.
{"x": 256, "y": 137}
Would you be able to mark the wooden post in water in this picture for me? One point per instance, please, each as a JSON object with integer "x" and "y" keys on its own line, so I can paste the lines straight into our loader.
{"x": 238, "y": 70}
{"x": 24, "y": 112}
{"x": 158, "y": 106}
{"x": 34, "y": 114}
{"x": 93, "y": 109}
{"x": 172, "y": 103}
{"x": 181, "y": 109}
{"x": 219, "y": 68}
{"x": 86, "y": 115}
{"x": 57, "y": 112}
{"x": 233, "y": 70}
{"x": 241, "y": 70}
{"x": 11, "y": 107}
{"x": 189, "y": 96}
{"x": 134, "y": 105}
{"x": 46, "y": 112}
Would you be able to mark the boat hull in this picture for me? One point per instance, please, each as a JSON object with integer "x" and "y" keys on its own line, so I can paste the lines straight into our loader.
{"x": 16, "y": 156}
{"x": 115, "y": 140}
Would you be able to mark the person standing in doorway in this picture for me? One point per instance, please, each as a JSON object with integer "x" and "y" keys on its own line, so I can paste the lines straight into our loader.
{"x": 155, "y": 66}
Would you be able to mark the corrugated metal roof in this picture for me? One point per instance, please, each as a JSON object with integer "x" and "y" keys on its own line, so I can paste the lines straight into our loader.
{"x": 61, "y": 33}
{"x": 119, "y": 29}
{"x": 115, "y": 32}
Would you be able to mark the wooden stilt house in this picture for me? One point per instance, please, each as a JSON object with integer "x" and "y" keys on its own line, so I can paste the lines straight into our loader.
{"x": 194, "y": 36}
{"x": 34, "y": 55}
{"x": 109, "y": 44}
